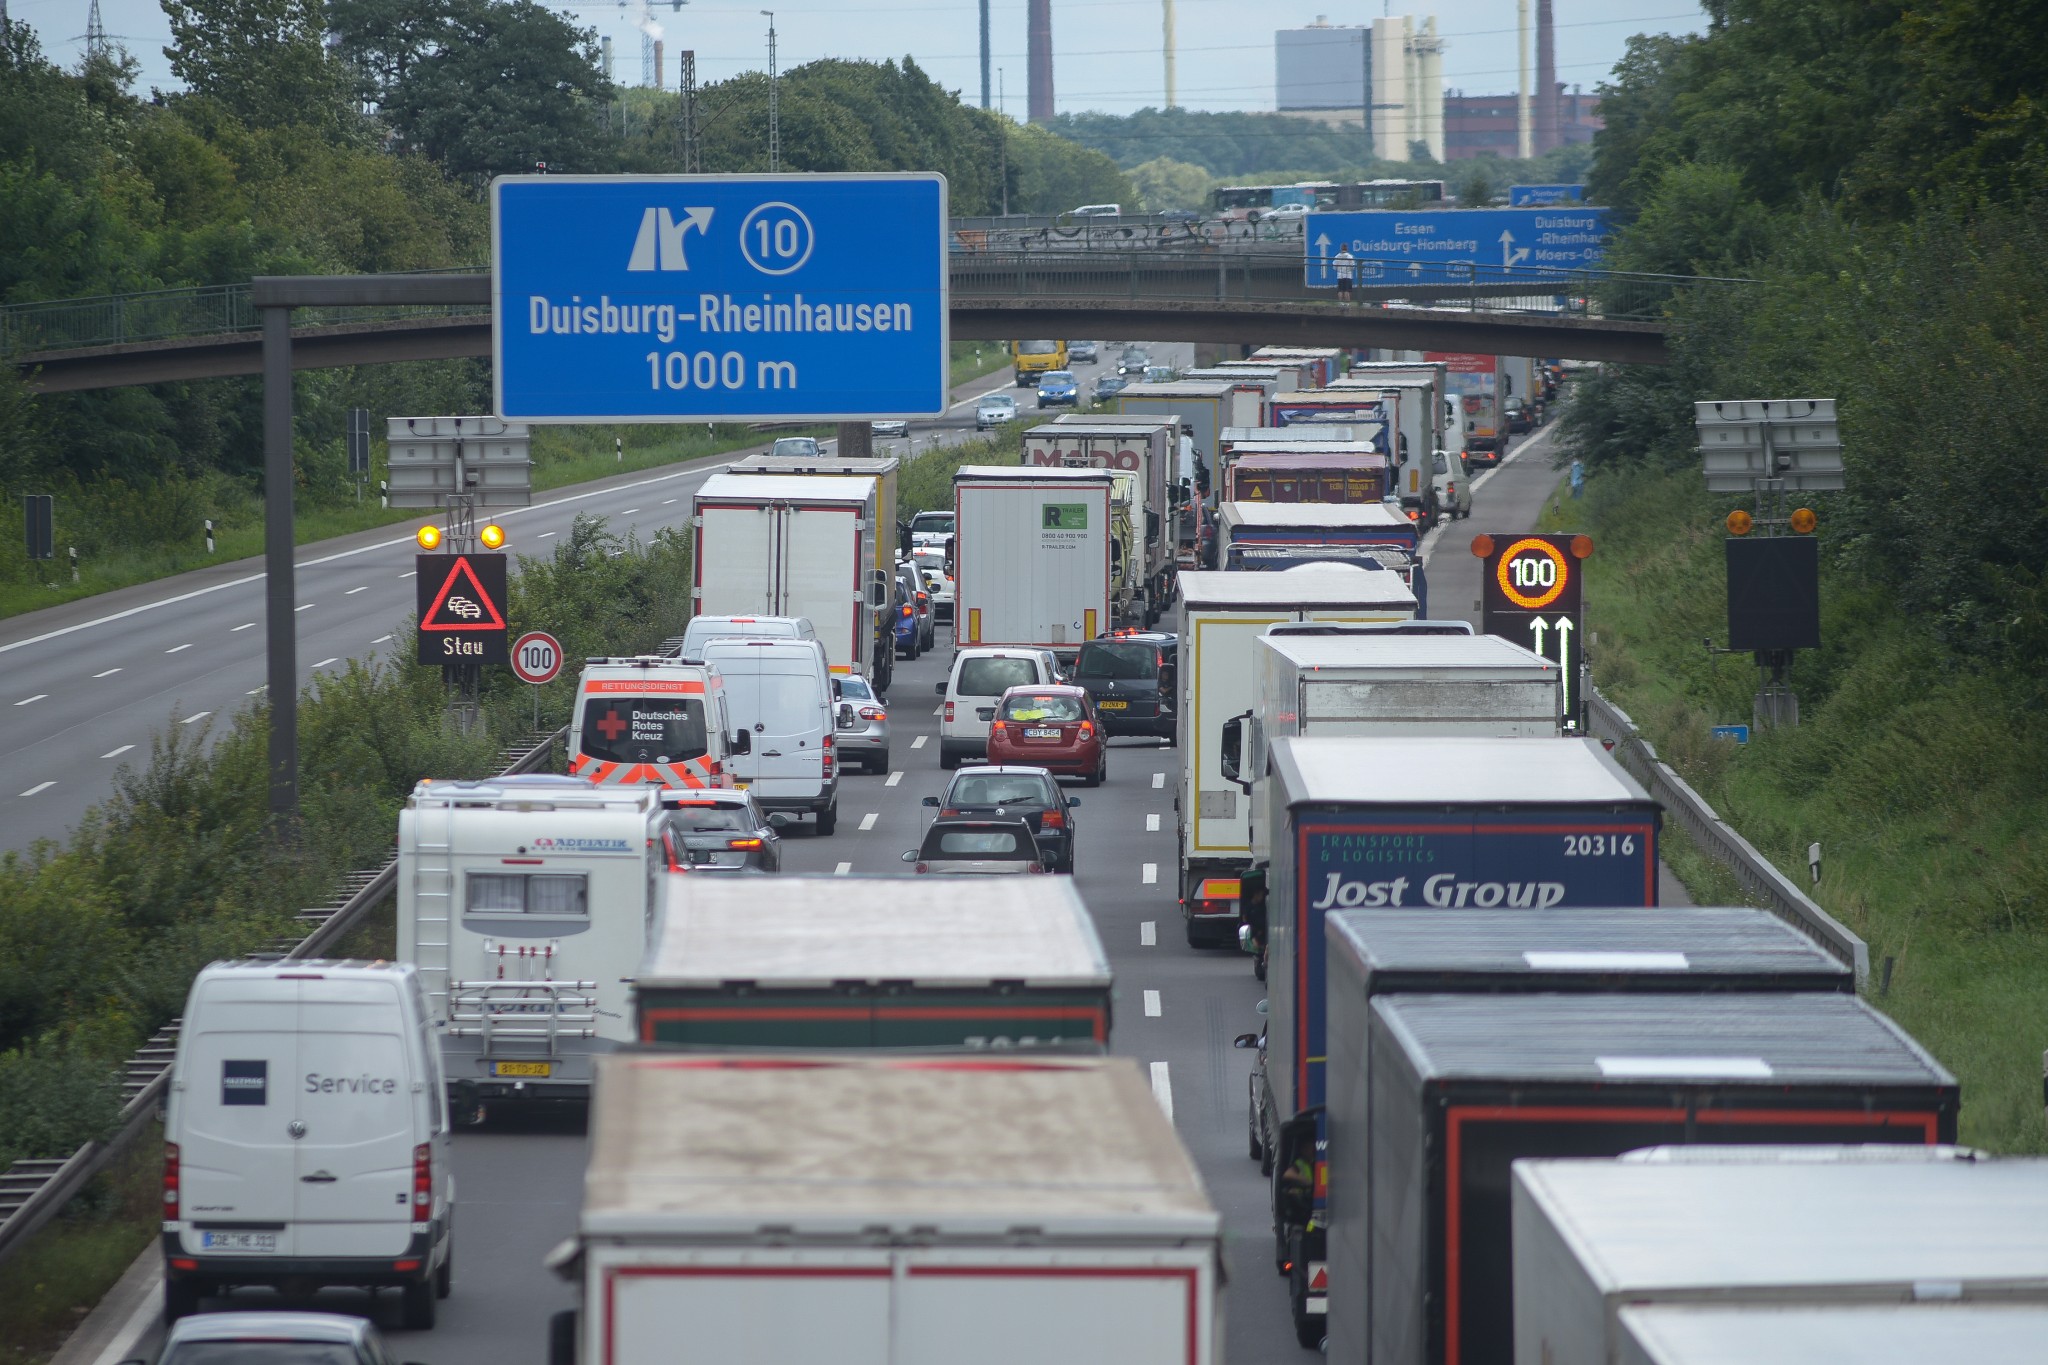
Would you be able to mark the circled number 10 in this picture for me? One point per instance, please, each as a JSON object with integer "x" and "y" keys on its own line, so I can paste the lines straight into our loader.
{"x": 778, "y": 238}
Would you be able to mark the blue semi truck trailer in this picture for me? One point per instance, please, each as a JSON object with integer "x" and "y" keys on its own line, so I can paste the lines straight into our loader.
{"x": 1445, "y": 824}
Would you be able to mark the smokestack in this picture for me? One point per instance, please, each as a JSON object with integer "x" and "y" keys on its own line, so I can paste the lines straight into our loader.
{"x": 1547, "y": 135}
{"x": 1171, "y": 99}
{"x": 1039, "y": 76}
{"x": 1524, "y": 129}
{"x": 657, "y": 63}
{"x": 984, "y": 54}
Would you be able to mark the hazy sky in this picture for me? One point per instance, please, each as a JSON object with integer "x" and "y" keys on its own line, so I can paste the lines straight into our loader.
{"x": 1106, "y": 53}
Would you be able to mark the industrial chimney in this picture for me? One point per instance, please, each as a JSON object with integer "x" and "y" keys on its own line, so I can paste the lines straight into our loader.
{"x": 1548, "y": 136}
{"x": 1039, "y": 97}
{"x": 657, "y": 63}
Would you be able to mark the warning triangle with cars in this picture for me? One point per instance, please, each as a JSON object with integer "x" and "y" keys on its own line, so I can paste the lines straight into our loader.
{"x": 462, "y": 602}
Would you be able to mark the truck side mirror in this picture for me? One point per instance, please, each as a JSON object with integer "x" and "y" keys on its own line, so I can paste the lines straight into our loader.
{"x": 878, "y": 589}
{"x": 1151, "y": 528}
{"x": 1233, "y": 748}
{"x": 742, "y": 742}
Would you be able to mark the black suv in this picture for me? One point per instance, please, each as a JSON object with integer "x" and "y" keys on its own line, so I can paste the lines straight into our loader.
{"x": 1031, "y": 794}
{"x": 1130, "y": 674}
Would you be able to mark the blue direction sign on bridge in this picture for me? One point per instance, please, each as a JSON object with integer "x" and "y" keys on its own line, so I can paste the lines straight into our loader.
{"x": 719, "y": 298}
{"x": 1456, "y": 245}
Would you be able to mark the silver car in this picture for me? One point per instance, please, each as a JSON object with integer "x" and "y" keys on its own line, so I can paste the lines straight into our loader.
{"x": 272, "y": 1339}
{"x": 861, "y": 736}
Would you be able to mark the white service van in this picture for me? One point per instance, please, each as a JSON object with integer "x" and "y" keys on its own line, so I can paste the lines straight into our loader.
{"x": 652, "y": 718}
{"x": 781, "y": 692}
{"x": 524, "y": 901}
{"x": 702, "y": 630}
{"x": 306, "y": 1135}
{"x": 974, "y": 684}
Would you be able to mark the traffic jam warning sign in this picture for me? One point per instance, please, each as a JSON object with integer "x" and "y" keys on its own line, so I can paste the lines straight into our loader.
{"x": 462, "y": 609}
{"x": 1530, "y": 593}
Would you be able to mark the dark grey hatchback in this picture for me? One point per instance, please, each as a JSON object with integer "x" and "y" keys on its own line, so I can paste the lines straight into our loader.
{"x": 1031, "y": 794}
{"x": 721, "y": 831}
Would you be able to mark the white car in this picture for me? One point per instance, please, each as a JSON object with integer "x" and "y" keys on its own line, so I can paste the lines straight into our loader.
{"x": 1286, "y": 211}
{"x": 1453, "y": 480}
{"x": 931, "y": 567}
{"x": 978, "y": 678}
{"x": 994, "y": 410}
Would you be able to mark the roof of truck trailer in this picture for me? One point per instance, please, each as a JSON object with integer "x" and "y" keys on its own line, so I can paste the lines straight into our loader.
{"x": 1365, "y": 516}
{"x": 1868, "y": 1333}
{"x": 776, "y": 488}
{"x": 800, "y": 931}
{"x": 837, "y": 1144}
{"x": 1326, "y": 431}
{"x": 1750, "y": 1038}
{"x": 1307, "y": 456}
{"x": 1312, "y": 585}
{"x": 1806, "y": 1223}
{"x": 1677, "y": 944}
{"x": 1027, "y": 473}
{"x": 1121, "y": 429}
{"x": 764, "y": 462}
{"x": 1402, "y": 773}
{"x": 1179, "y": 388}
{"x": 1449, "y": 652}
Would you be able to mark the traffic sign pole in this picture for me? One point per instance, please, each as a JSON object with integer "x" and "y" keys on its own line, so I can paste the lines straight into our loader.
{"x": 536, "y": 659}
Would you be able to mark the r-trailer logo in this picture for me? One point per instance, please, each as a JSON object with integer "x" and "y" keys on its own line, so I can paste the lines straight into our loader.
{"x": 1064, "y": 516}
{"x": 461, "y": 609}
{"x": 245, "y": 1082}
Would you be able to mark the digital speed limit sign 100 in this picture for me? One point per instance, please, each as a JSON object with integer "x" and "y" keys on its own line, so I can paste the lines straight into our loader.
{"x": 1530, "y": 593}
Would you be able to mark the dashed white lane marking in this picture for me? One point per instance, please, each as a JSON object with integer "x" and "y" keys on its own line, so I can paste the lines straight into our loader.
{"x": 842, "y": 869}
{"x": 917, "y": 743}
{"x": 1151, "y": 875}
{"x": 1148, "y": 934}
{"x": 197, "y": 715}
{"x": 305, "y": 606}
{"x": 116, "y": 753}
{"x": 353, "y": 591}
{"x": 246, "y": 625}
{"x": 666, "y": 501}
{"x": 543, "y": 535}
{"x": 1162, "y": 1088}
{"x": 1151, "y": 1004}
{"x": 254, "y": 690}
{"x": 408, "y": 573}
{"x": 629, "y": 511}
{"x": 1158, "y": 781}
{"x": 868, "y": 821}
{"x": 108, "y": 674}
{"x": 175, "y": 649}
{"x": 381, "y": 639}
{"x": 894, "y": 778}
{"x": 323, "y": 663}
{"x": 37, "y": 697}
{"x": 39, "y": 787}
{"x": 1152, "y": 823}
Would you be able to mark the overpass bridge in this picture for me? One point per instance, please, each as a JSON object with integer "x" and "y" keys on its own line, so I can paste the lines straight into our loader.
{"x": 1181, "y": 295}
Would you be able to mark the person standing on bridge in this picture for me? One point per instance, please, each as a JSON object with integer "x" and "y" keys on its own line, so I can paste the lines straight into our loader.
{"x": 1346, "y": 267}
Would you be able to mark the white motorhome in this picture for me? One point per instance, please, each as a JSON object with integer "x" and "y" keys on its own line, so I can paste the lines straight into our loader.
{"x": 653, "y": 718}
{"x": 306, "y": 1136}
{"x": 524, "y": 902}
{"x": 781, "y": 691}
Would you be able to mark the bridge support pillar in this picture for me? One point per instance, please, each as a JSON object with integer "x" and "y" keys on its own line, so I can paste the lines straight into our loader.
{"x": 856, "y": 441}
{"x": 280, "y": 621}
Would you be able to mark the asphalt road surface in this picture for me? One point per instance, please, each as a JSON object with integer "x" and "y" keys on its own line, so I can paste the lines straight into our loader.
{"x": 85, "y": 686}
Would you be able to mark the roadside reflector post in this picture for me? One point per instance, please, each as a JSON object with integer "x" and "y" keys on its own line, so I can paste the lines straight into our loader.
{"x": 209, "y": 535}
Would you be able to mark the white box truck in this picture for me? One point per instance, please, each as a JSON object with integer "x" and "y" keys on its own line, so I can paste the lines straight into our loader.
{"x": 1868, "y": 1334}
{"x": 790, "y": 1209}
{"x": 775, "y": 545}
{"x": 1032, "y": 556}
{"x": 1594, "y": 1237}
{"x": 524, "y": 903}
{"x": 1142, "y": 450}
{"x": 1222, "y": 614}
{"x": 1203, "y": 408}
{"x": 1423, "y": 388}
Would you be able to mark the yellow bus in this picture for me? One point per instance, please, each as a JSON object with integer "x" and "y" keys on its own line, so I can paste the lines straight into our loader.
{"x": 1033, "y": 358}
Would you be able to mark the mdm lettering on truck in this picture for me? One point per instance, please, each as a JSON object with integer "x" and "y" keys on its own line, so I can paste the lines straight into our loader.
{"x": 1527, "y": 860}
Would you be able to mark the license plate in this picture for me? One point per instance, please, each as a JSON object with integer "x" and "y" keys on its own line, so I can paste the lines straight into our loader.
{"x": 522, "y": 1068}
{"x": 1112, "y": 705}
{"x": 1041, "y": 734}
{"x": 238, "y": 1241}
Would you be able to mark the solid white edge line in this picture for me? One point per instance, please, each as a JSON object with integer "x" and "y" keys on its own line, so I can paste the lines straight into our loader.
{"x": 1148, "y": 934}
{"x": 1151, "y": 1004}
{"x": 1162, "y": 1088}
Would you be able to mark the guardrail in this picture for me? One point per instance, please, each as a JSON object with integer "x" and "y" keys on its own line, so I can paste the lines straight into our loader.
{"x": 31, "y": 1192}
{"x": 1717, "y": 839}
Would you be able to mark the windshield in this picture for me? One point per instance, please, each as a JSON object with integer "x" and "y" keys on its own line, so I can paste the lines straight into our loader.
{"x": 796, "y": 445}
{"x": 703, "y": 630}
{"x": 999, "y": 400}
{"x": 1123, "y": 661}
{"x": 711, "y": 819}
{"x": 977, "y": 843}
{"x": 986, "y": 677}
{"x": 999, "y": 789}
{"x": 651, "y": 729}
{"x": 1041, "y": 706}
{"x": 932, "y": 521}
{"x": 852, "y": 688}
{"x": 262, "y": 1352}
{"x": 1056, "y": 377}
{"x": 1038, "y": 347}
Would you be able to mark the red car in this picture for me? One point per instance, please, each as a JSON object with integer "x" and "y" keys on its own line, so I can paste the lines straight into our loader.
{"x": 1054, "y": 728}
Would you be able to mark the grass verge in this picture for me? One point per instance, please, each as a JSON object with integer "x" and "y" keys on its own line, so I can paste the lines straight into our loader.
{"x": 48, "y": 1287}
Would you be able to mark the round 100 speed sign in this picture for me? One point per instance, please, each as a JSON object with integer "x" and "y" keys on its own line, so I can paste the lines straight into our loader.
{"x": 536, "y": 657}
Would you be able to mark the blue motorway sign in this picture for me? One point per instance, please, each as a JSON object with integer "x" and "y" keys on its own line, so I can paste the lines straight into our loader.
{"x": 719, "y": 298}
{"x": 1435, "y": 246}
{"x": 1527, "y": 196}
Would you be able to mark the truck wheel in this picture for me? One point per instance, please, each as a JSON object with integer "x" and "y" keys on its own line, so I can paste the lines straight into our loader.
{"x": 828, "y": 819}
{"x": 562, "y": 1338}
{"x": 418, "y": 1308}
{"x": 1197, "y": 936}
{"x": 181, "y": 1300}
{"x": 1259, "y": 965}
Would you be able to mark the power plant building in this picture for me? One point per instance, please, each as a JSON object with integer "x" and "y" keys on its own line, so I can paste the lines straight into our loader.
{"x": 1328, "y": 71}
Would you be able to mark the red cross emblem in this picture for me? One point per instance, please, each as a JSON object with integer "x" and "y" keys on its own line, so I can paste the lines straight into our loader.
{"x": 612, "y": 726}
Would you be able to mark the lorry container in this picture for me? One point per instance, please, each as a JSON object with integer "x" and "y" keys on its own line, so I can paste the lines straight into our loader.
{"x": 1203, "y": 408}
{"x": 1301, "y": 441}
{"x": 1868, "y": 1334}
{"x": 892, "y": 535}
{"x": 524, "y": 903}
{"x": 1032, "y": 561}
{"x": 1264, "y": 379}
{"x": 1469, "y": 378}
{"x": 1145, "y": 452}
{"x": 1463, "y": 1085}
{"x": 788, "y": 1208}
{"x": 1231, "y": 437}
{"x": 1370, "y": 415}
{"x": 1325, "y": 362}
{"x": 1422, "y": 391}
{"x": 1279, "y": 378}
{"x": 1221, "y": 615}
{"x": 1521, "y": 377}
{"x": 1325, "y": 476}
{"x": 773, "y": 545}
{"x": 1594, "y": 1237}
{"x": 874, "y": 962}
{"x": 1266, "y": 536}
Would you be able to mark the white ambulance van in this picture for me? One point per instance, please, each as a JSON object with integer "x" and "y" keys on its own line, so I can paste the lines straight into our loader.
{"x": 524, "y": 902}
{"x": 306, "y": 1136}
{"x": 652, "y": 718}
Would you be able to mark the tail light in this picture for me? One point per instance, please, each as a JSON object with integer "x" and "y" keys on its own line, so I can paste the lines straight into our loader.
{"x": 907, "y": 610}
{"x": 171, "y": 1181}
{"x": 1053, "y": 819}
{"x": 873, "y": 713}
{"x": 997, "y": 727}
{"x": 422, "y": 1181}
{"x": 746, "y": 845}
{"x": 923, "y": 867}
{"x": 944, "y": 813}
{"x": 831, "y": 758}
{"x": 1087, "y": 729}
{"x": 949, "y": 713}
